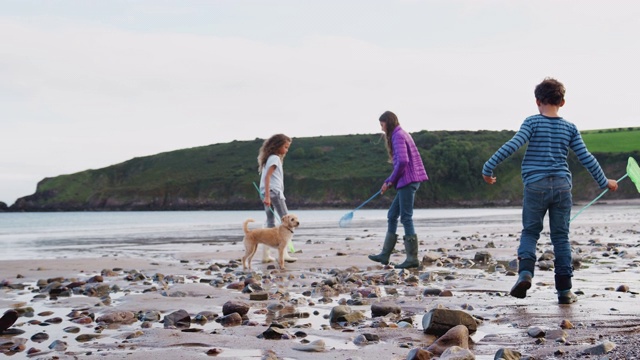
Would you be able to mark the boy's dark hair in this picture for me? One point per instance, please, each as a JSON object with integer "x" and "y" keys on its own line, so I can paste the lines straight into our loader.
{"x": 550, "y": 91}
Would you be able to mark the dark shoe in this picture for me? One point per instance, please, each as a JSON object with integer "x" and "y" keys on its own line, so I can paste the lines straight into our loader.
{"x": 389, "y": 243}
{"x": 523, "y": 284}
{"x": 411, "y": 248}
{"x": 566, "y": 297}
{"x": 563, "y": 285}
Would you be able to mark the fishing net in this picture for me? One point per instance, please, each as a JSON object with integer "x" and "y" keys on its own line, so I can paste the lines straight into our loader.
{"x": 633, "y": 172}
{"x": 346, "y": 219}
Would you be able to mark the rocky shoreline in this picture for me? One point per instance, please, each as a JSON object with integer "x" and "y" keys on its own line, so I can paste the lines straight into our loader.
{"x": 333, "y": 302}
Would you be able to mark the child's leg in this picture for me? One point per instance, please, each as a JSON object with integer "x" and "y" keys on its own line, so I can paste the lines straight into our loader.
{"x": 391, "y": 237}
{"x": 280, "y": 207}
{"x": 271, "y": 219}
{"x": 271, "y": 223}
{"x": 559, "y": 216}
{"x": 392, "y": 215}
{"x": 406, "y": 197}
{"x": 534, "y": 208}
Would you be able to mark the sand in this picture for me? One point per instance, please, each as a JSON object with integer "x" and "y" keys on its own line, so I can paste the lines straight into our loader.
{"x": 605, "y": 238}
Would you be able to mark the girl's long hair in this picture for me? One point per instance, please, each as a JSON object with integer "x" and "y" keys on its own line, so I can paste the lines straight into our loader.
{"x": 270, "y": 147}
{"x": 391, "y": 120}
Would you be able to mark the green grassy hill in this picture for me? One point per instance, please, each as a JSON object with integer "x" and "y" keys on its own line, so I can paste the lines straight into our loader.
{"x": 320, "y": 172}
{"x": 625, "y": 140}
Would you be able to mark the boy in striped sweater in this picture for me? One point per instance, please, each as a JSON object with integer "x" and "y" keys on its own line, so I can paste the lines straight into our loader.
{"x": 547, "y": 185}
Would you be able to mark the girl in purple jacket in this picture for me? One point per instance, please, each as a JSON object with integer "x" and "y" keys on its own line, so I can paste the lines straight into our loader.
{"x": 408, "y": 173}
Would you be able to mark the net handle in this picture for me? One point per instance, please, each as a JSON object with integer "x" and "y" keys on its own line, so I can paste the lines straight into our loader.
{"x": 596, "y": 199}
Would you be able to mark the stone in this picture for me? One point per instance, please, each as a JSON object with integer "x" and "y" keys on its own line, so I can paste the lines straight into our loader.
{"x": 151, "y": 315}
{"x": 366, "y": 339}
{"x": 456, "y": 336}
{"x": 439, "y": 321}
{"x": 507, "y": 354}
{"x": 343, "y": 313}
{"x": 482, "y": 257}
{"x": 600, "y": 349}
{"x": 118, "y": 317}
{"x": 98, "y": 290}
{"x": 232, "y": 306}
{"x": 623, "y": 288}
{"x": 259, "y": 296}
{"x": 205, "y": 316}
{"x": 179, "y": 319}
{"x": 8, "y": 319}
{"x": 419, "y": 354}
{"x": 40, "y": 337}
{"x": 233, "y": 319}
{"x": 383, "y": 309}
{"x": 457, "y": 353}
{"x": 556, "y": 334}
{"x": 58, "y": 345}
{"x": 314, "y": 346}
{"x": 87, "y": 337}
{"x": 430, "y": 291}
{"x": 545, "y": 265}
{"x": 275, "y": 332}
{"x": 566, "y": 324}
{"x": 535, "y": 332}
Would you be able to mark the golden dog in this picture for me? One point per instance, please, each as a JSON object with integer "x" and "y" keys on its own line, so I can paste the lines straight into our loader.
{"x": 277, "y": 237}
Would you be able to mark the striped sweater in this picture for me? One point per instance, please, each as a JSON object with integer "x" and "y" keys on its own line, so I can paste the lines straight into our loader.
{"x": 550, "y": 139}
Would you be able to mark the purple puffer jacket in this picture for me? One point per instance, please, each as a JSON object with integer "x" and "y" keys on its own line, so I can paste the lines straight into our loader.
{"x": 407, "y": 163}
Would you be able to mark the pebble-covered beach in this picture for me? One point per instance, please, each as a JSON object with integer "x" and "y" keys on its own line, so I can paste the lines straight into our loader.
{"x": 194, "y": 301}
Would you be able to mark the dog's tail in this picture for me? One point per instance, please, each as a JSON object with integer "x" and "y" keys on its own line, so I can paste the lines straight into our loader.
{"x": 245, "y": 226}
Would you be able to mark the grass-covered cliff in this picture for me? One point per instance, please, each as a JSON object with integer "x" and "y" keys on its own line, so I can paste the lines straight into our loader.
{"x": 320, "y": 172}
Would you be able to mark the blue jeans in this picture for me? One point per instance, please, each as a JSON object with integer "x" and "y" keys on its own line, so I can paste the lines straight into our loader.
{"x": 552, "y": 194}
{"x": 279, "y": 206}
{"x": 402, "y": 207}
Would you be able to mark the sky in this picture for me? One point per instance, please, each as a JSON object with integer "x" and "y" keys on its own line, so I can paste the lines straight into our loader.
{"x": 87, "y": 84}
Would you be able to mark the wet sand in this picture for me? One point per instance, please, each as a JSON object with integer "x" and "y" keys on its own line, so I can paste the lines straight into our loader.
{"x": 605, "y": 238}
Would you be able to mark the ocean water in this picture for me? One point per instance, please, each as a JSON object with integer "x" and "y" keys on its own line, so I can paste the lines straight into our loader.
{"x": 50, "y": 235}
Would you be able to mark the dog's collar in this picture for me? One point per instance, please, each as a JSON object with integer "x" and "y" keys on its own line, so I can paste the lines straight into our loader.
{"x": 288, "y": 229}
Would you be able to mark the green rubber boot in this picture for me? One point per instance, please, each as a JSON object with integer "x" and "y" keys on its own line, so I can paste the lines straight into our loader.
{"x": 411, "y": 248}
{"x": 389, "y": 243}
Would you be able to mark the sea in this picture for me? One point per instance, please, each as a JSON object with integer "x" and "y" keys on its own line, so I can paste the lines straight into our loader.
{"x": 42, "y": 235}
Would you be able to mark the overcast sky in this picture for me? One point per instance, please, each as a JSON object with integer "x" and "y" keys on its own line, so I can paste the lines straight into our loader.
{"x": 88, "y": 84}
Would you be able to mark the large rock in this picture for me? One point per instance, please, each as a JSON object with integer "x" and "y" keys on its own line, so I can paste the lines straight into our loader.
{"x": 383, "y": 309}
{"x": 233, "y": 319}
{"x": 507, "y": 354}
{"x": 600, "y": 349}
{"x": 457, "y": 353}
{"x": 8, "y": 319}
{"x": 458, "y": 336}
{"x": 118, "y": 317}
{"x": 343, "y": 313}
{"x": 439, "y": 321}
{"x": 233, "y": 306}
{"x": 419, "y": 354}
{"x": 179, "y": 319}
